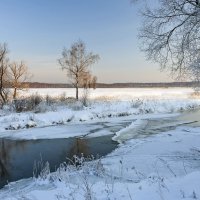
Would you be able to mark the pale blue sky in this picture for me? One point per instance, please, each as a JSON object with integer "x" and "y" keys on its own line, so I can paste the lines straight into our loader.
{"x": 37, "y": 30}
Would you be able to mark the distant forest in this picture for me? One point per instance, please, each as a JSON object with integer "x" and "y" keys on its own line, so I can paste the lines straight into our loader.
{"x": 118, "y": 85}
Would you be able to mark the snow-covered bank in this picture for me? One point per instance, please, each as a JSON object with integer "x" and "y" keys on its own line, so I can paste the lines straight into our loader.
{"x": 127, "y": 133}
{"x": 169, "y": 154}
{"x": 164, "y": 166}
{"x": 96, "y": 111}
{"x": 87, "y": 129}
{"x": 103, "y": 104}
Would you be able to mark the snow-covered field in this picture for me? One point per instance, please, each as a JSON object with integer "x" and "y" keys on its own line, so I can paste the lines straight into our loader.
{"x": 117, "y": 93}
{"x": 143, "y": 167}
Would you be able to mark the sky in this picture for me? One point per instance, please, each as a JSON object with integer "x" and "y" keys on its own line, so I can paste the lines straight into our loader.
{"x": 36, "y": 31}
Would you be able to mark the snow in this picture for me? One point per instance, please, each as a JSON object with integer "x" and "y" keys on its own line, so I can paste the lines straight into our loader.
{"x": 53, "y": 132}
{"x": 127, "y": 133}
{"x": 158, "y": 156}
{"x": 117, "y": 93}
{"x": 163, "y": 166}
{"x": 119, "y": 103}
{"x": 170, "y": 148}
{"x": 88, "y": 129}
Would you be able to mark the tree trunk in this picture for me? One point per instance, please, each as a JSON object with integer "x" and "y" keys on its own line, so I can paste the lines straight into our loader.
{"x": 2, "y": 97}
{"x": 76, "y": 93}
{"x": 15, "y": 93}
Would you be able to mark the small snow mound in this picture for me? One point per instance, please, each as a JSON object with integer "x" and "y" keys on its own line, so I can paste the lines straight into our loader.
{"x": 130, "y": 131}
{"x": 13, "y": 126}
{"x": 31, "y": 124}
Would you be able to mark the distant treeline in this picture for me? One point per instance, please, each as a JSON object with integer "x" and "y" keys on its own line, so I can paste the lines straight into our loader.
{"x": 118, "y": 85}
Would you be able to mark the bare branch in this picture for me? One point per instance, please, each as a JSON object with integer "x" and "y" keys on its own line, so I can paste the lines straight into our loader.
{"x": 171, "y": 33}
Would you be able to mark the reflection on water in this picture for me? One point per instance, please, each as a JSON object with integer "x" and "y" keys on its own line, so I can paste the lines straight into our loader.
{"x": 80, "y": 147}
{"x": 3, "y": 158}
{"x": 17, "y": 158}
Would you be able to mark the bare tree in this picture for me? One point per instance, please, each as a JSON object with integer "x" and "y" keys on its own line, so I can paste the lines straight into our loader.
{"x": 93, "y": 82}
{"x": 3, "y": 73}
{"x": 76, "y": 61}
{"x": 171, "y": 35}
{"x": 19, "y": 75}
{"x": 89, "y": 81}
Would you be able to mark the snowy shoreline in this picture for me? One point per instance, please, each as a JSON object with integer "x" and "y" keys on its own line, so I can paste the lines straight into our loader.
{"x": 164, "y": 165}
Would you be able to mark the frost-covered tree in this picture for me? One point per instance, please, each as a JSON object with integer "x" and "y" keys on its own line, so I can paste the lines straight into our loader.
{"x": 171, "y": 35}
{"x": 76, "y": 61}
{"x": 4, "y": 63}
